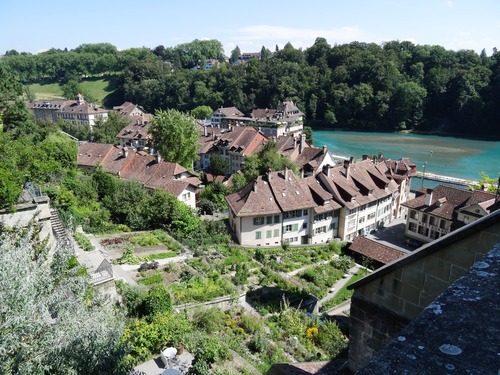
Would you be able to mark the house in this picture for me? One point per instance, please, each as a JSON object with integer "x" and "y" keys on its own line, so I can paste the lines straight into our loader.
{"x": 234, "y": 144}
{"x": 434, "y": 213}
{"x": 224, "y": 112}
{"x": 136, "y": 133}
{"x": 148, "y": 170}
{"x": 129, "y": 109}
{"x": 308, "y": 159}
{"x": 286, "y": 119}
{"x": 246, "y": 56}
{"x": 365, "y": 194}
{"x": 405, "y": 290}
{"x": 78, "y": 111}
{"x": 280, "y": 208}
{"x": 401, "y": 171}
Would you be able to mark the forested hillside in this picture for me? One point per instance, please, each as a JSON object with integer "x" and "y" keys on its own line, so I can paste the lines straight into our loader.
{"x": 393, "y": 86}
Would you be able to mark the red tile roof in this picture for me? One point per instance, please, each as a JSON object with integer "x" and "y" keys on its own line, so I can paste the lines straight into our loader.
{"x": 446, "y": 200}
{"x": 375, "y": 250}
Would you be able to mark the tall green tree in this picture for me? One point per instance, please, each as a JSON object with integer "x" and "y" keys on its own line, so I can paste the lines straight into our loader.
{"x": 175, "y": 137}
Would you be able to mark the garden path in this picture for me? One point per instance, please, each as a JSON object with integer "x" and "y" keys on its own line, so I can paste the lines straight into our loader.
{"x": 338, "y": 285}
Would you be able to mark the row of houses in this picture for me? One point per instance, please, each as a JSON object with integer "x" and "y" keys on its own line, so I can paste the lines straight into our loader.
{"x": 338, "y": 202}
{"x": 149, "y": 170}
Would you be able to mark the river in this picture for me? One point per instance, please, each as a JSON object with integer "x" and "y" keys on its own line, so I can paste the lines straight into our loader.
{"x": 448, "y": 156}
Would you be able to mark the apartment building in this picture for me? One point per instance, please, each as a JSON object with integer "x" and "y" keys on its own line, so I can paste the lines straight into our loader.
{"x": 279, "y": 208}
{"x": 436, "y": 212}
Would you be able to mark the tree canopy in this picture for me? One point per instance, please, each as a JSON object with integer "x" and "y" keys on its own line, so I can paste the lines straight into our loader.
{"x": 175, "y": 137}
{"x": 50, "y": 321}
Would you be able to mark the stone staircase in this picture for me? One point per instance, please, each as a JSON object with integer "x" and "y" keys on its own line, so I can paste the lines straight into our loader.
{"x": 58, "y": 227}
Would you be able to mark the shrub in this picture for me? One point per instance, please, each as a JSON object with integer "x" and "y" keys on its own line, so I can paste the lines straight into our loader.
{"x": 258, "y": 343}
{"x": 83, "y": 241}
{"x": 210, "y": 320}
{"x": 157, "y": 301}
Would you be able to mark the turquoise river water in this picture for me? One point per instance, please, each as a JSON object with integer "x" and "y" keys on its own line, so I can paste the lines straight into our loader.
{"x": 448, "y": 156}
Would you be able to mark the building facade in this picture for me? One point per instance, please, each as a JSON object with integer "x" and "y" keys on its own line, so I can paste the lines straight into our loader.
{"x": 433, "y": 213}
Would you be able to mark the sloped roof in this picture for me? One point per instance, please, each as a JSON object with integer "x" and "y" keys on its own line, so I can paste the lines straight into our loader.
{"x": 375, "y": 250}
{"x": 229, "y": 112}
{"x": 245, "y": 140}
{"x": 256, "y": 198}
{"x": 127, "y": 108}
{"x": 137, "y": 129}
{"x": 290, "y": 192}
{"x": 446, "y": 200}
{"x": 91, "y": 154}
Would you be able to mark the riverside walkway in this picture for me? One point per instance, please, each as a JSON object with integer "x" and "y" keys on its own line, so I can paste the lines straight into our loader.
{"x": 452, "y": 180}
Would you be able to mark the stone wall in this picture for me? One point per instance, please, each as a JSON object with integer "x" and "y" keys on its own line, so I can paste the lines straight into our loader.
{"x": 380, "y": 306}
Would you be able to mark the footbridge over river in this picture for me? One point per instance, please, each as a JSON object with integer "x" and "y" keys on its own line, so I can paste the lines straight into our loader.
{"x": 451, "y": 180}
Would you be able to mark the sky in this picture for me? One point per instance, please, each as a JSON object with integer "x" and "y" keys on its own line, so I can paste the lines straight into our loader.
{"x": 36, "y": 25}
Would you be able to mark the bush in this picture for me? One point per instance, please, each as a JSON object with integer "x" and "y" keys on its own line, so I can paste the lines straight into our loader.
{"x": 258, "y": 343}
{"x": 154, "y": 278}
{"x": 210, "y": 320}
{"x": 83, "y": 241}
{"x": 158, "y": 301}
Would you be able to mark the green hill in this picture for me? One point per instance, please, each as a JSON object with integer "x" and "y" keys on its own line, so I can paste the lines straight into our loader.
{"x": 102, "y": 89}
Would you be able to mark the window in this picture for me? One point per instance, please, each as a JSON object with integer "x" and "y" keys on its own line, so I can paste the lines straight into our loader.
{"x": 295, "y": 213}
{"x": 258, "y": 235}
{"x": 361, "y": 220}
{"x": 276, "y": 233}
{"x": 186, "y": 196}
{"x": 414, "y": 214}
{"x": 371, "y": 216}
{"x": 291, "y": 228}
{"x": 320, "y": 230}
{"x": 258, "y": 220}
{"x": 442, "y": 224}
{"x": 305, "y": 213}
{"x": 276, "y": 219}
{"x": 466, "y": 219}
{"x": 432, "y": 220}
{"x": 269, "y": 220}
{"x": 269, "y": 233}
{"x": 351, "y": 224}
{"x": 424, "y": 218}
{"x": 304, "y": 226}
{"x": 333, "y": 226}
{"x": 412, "y": 227}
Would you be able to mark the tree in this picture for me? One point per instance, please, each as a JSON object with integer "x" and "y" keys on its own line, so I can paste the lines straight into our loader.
{"x": 51, "y": 321}
{"x": 218, "y": 165}
{"x": 202, "y": 112}
{"x": 175, "y": 136}
{"x": 235, "y": 55}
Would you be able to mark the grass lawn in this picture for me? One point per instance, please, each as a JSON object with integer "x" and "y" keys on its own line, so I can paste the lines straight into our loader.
{"x": 50, "y": 91}
{"x": 97, "y": 87}
{"x": 344, "y": 294}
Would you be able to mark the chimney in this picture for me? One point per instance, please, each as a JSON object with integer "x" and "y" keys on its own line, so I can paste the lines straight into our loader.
{"x": 302, "y": 143}
{"x": 255, "y": 186}
{"x": 428, "y": 197}
{"x": 380, "y": 154}
{"x": 326, "y": 170}
{"x": 229, "y": 128}
{"x": 205, "y": 132}
{"x": 269, "y": 174}
{"x": 213, "y": 136}
{"x": 158, "y": 158}
{"x": 365, "y": 157}
{"x": 324, "y": 149}
{"x": 347, "y": 166}
{"x": 286, "y": 173}
{"x": 125, "y": 152}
